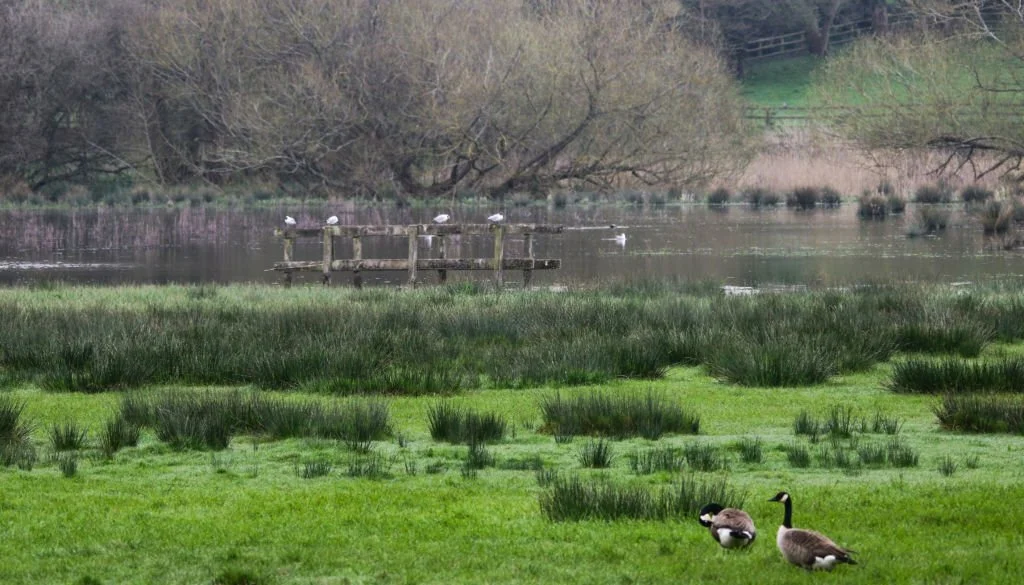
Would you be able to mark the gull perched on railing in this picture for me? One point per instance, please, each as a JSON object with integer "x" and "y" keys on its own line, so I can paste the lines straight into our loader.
{"x": 333, "y": 220}
{"x": 289, "y": 220}
{"x": 496, "y": 218}
{"x": 442, "y": 218}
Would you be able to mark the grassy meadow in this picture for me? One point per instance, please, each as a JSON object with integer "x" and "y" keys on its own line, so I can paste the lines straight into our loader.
{"x": 302, "y": 468}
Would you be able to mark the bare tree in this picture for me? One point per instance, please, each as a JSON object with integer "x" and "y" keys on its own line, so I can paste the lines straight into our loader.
{"x": 941, "y": 91}
{"x": 430, "y": 97}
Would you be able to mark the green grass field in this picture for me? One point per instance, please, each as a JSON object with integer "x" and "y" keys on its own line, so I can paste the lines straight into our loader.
{"x": 774, "y": 82}
{"x": 244, "y": 515}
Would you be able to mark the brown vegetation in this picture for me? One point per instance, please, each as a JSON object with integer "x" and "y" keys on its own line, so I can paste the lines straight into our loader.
{"x": 362, "y": 96}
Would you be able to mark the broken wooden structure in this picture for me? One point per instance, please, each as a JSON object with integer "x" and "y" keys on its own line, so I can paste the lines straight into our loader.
{"x": 498, "y": 263}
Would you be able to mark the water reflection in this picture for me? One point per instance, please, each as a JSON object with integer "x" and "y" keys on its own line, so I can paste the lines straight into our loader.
{"x": 734, "y": 244}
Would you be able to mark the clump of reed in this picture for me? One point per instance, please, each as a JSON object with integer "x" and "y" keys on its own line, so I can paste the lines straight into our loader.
{"x": 944, "y": 334}
{"x": 773, "y": 358}
{"x": 116, "y": 434}
{"x": 940, "y": 192}
{"x": 751, "y": 450}
{"x": 972, "y": 194}
{"x": 929, "y": 220}
{"x": 654, "y": 460}
{"x": 872, "y": 206}
{"x": 996, "y": 217}
{"x": 719, "y": 196}
{"x": 371, "y": 465}
{"x": 68, "y": 436}
{"x": 704, "y": 457}
{"x": 196, "y": 420}
{"x": 983, "y": 413}
{"x": 957, "y": 376}
{"x": 947, "y": 466}
{"x": 16, "y": 446}
{"x": 615, "y": 415}
{"x": 597, "y": 454}
{"x": 313, "y": 469}
{"x": 761, "y": 197}
{"x": 804, "y": 197}
{"x": 452, "y": 423}
{"x": 572, "y": 498}
{"x": 830, "y": 197}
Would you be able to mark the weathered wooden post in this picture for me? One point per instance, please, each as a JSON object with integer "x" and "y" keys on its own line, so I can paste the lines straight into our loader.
{"x": 289, "y": 243}
{"x": 357, "y": 255}
{"x": 328, "y": 254}
{"x": 528, "y": 271}
{"x": 442, "y": 274}
{"x": 499, "y": 255}
{"x": 414, "y": 252}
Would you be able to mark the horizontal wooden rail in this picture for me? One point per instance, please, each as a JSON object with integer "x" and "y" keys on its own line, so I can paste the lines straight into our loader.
{"x": 428, "y": 229}
{"x": 369, "y": 264}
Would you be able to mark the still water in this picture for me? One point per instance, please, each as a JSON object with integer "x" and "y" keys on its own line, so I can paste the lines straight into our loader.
{"x": 735, "y": 245}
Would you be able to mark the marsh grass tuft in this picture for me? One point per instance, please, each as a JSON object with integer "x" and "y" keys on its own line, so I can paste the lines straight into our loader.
{"x": 704, "y": 457}
{"x": 982, "y": 413}
{"x": 312, "y": 469}
{"x": 882, "y": 423}
{"x": 118, "y": 433}
{"x": 68, "y": 436}
{"x": 597, "y": 454}
{"x": 478, "y": 457}
{"x": 375, "y": 465}
{"x": 957, "y": 376}
{"x": 571, "y": 498}
{"x": 899, "y": 454}
{"x": 16, "y": 446}
{"x": 654, "y": 460}
{"x": 68, "y": 464}
{"x": 798, "y": 456}
{"x": 454, "y": 424}
{"x": 805, "y": 424}
{"x": 529, "y": 463}
{"x": 649, "y": 416}
{"x": 872, "y": 454}
{"x": 751, "y": 450}
{"x": 947, "y": 466}
{"x": 239, "y": 577}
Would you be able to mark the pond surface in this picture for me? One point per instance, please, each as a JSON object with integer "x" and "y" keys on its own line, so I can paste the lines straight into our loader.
{"x": 735, "y": 245}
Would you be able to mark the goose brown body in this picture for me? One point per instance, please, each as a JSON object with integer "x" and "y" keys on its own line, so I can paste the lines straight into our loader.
{"x": 807, "y": 548}
{"x": 730, "y": 527}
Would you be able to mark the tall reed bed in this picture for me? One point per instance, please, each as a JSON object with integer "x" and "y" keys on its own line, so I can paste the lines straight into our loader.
{"x": 573, "y": 498}
{"x": 957, "y": 376}
{"x": 616, "y": 415}
{"x": 196, "y": 420}
{"x": 447, "y": 339}
{"x": 982, "y": 413}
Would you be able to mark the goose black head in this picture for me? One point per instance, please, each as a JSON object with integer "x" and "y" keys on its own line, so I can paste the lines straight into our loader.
{"x": 708, "y": 512}
{"x": 780, "y": 497}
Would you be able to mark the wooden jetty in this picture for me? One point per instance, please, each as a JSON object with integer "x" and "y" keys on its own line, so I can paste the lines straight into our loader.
{"x": 498, "y": 263}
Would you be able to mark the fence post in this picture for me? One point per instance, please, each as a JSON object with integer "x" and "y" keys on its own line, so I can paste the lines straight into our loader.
{"x": 528, "y": 272}
{"x": 357, "y": 254}
{"x": 328, "y": 255}
{"x": 443, "y": 274}
{"x": 499, "y": 255}
{"x": 414, "y": 249}
{"x": 289, "y": 243}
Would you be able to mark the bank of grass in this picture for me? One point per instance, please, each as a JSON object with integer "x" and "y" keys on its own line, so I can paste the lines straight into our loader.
{"x": 409, "y": 511}
{"x": 459, "y": 338}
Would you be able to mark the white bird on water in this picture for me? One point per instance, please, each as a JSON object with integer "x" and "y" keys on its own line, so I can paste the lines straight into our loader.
{"x": 620, "y": 239}
{"x": 289, "y": 220}
{"x": 333, "y": 220}
{"x": 497, "y": 217}
{"x": 442, "y": 218}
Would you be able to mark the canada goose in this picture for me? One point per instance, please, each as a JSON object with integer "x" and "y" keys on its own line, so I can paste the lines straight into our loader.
{"x": 730, "y": 527}
{"x": 806, "y": 548}
{"x": 497, "y": 217}
{"x": 289, "y": 220}
{"x": 332, "y": 220}
{"x": 442, "y": 218}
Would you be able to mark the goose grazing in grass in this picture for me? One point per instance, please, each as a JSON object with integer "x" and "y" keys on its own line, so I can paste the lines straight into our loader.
{"x": 806, "y": 548}
{"x": 730, "y": 527}
{"x": 333, "y": 220}
{"x": 442, "y": 218}
{"x": 289, "y": 220}
{"x": 497, "y": 217}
